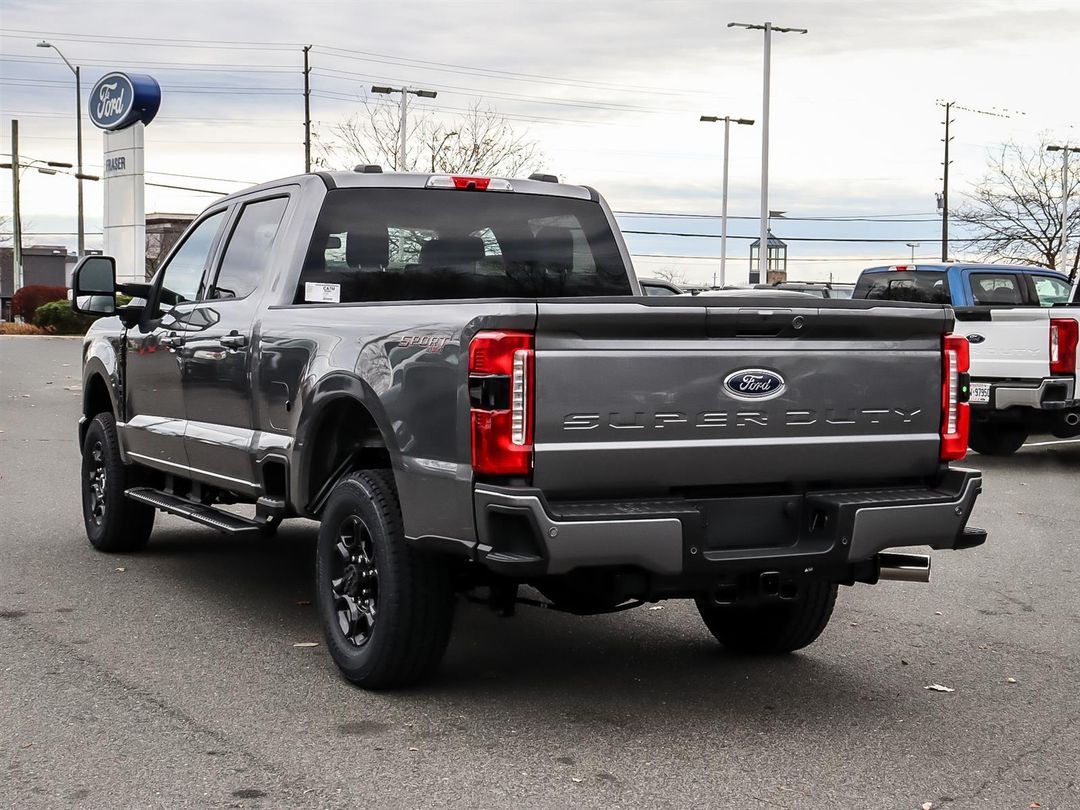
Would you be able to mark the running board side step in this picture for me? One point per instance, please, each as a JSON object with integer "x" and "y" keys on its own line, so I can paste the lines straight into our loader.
{"x": 195, "y": 512}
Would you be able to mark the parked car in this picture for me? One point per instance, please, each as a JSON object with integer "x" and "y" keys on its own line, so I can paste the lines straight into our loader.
{"x": 659, "y": 287}
{"x": 459, "y": 378}
{"x": 1023, "y": 338}
{"x": 823, "y": 289}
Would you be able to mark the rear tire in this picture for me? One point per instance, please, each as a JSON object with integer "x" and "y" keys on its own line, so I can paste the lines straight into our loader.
{"x": 113, "y": 523}
{"x": 773, "y": 628}
{"x": 996, "y": 438}
{"x": 386, "y": 608}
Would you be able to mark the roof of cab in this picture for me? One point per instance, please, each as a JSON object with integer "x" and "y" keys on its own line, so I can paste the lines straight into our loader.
{"x": 372, "y": 179}
{"x": 942, "y": 267}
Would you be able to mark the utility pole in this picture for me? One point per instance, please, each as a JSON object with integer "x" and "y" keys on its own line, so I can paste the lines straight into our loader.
{"x": 16, "y": 215}
{"x": 1065, "y": 151}
{"x": 945, "y": 187}
{"x": 723, "y": 214}
{"x": 402, "y": 165}
{"x": 768, "y": 28}
{"x": 307, "y": 111}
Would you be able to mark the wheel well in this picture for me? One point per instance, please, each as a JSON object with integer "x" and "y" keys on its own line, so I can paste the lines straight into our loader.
{"x": 346, "y": 438}
{"x": 95, "y": 400}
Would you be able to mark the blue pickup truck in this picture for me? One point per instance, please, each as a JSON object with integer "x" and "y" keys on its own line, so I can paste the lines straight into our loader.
{"x": 965, "y": 285}
{"x": 1023, "y": 334}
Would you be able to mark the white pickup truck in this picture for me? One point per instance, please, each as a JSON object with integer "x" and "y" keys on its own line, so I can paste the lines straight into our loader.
{"x": 1023, "y": 324}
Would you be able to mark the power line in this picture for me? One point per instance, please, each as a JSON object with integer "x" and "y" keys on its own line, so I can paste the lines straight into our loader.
{"x": 344, "y": 53}
{"x": 842, "y": 218}
{"x": 792, "y": 259}
{"x": 785, "y": 239}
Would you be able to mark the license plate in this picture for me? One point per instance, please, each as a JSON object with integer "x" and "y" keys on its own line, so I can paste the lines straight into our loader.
{"x": 980, "y": 393}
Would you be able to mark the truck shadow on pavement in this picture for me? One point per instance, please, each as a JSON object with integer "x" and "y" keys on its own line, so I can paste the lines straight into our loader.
{"x": 1052, "y": 459}
{"x": 563, "y": 669}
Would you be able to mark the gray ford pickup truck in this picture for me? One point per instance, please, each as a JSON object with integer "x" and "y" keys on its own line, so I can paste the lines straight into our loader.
{"x": 459, "y": 378}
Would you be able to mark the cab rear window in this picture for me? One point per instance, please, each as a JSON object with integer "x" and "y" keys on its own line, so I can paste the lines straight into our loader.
{"x": 423, "y": 244}
{"x": 924, "y": 287}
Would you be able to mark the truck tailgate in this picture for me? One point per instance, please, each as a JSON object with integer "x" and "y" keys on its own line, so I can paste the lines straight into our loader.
{"x": 1007, "y": 343}
{"x": 635, "y": 397}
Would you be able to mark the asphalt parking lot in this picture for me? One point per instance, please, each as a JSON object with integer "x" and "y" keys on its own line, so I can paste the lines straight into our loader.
{"x": 170, "y": 678}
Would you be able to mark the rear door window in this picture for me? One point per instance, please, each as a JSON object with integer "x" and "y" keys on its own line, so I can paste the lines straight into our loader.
{"x": 996, "y": 289}
{"x": 924, "y": 287}
{"x": 374, "y": 245}
{"x": 1050, "y": 290}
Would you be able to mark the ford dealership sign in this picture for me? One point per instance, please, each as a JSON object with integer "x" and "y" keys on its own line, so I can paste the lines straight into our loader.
{"x": 119, "y": 100}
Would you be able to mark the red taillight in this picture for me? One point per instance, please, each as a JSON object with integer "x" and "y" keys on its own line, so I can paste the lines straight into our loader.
{"x": 955, "y": 412}
{"x": 1064, "y": 335}
{"x": 501, "y": 373}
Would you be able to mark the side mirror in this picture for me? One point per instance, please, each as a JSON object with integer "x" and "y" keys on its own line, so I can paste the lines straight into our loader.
{"x": 93, "y": 286}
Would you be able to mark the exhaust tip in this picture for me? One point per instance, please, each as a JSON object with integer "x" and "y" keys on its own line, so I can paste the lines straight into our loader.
{"x": 904, "y": 567}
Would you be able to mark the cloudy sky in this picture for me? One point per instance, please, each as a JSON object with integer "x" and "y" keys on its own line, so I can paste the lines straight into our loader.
{"x": 612, "y": 91}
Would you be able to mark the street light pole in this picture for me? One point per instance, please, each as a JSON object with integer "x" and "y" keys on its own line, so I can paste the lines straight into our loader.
{"x": 913, "y": 245}
{"x": 403, "y": 134}
{"x": 724, "y": 206}
{"x": 768, "y": 28}
{"x": 78, "y": 138}
{"x": 1065, "y": 150}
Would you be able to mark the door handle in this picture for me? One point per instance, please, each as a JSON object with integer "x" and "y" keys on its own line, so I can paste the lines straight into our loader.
{"x": 233, "y": 340}
{"x": 171, "y": 340}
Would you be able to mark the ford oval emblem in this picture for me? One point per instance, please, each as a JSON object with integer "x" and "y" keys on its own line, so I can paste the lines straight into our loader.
{"x": 119, "y": 100}
{"x": 754, "y": 383}
{"x": 975, "y": 338}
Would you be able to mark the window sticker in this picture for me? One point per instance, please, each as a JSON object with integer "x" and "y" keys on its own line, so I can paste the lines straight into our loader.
{"x": 322, "y": 293}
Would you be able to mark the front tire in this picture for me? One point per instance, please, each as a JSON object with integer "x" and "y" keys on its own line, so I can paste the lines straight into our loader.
{"x": 386, "y": 608}
{"x": 113, "y": 523}
{"x": 996, "y": 438}
{"x": 775, "y": 627}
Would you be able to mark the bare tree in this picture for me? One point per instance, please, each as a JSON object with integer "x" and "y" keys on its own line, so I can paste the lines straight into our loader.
{"x": 477, "y": 142}
{"x": 1014, "y": 212}
{"x": 671, "y": 275}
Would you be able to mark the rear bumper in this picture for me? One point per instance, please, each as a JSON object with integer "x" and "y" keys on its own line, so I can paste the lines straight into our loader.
{"x": 1048, "y": 394}
{"x": 521, "y": 534}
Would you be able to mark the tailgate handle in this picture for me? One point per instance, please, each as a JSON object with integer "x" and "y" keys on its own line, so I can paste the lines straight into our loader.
{"x": 765, "y": 322}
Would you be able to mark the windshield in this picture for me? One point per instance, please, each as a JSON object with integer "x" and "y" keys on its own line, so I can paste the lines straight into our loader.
{"x": 923, "y": 287}
{"x": 424, "y": 244}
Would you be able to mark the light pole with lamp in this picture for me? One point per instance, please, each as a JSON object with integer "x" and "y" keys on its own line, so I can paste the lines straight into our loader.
{"x": 913, "y": 245}
{"x": 405, "y": 93}
{"x": 768, "y": 28}
{"x": 78, "y": 137}
{"x": 723, "y": 212}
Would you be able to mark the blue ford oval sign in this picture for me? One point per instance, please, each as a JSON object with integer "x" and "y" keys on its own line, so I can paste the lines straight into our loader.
{"x": 119, "y": 100}
{"x": 754, "y": 383}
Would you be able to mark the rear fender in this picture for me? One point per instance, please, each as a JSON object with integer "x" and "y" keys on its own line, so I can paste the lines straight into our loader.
{"x": 330, "y": 391}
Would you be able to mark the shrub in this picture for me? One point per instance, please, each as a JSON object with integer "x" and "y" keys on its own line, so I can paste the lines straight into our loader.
{"x": 7, "y": 328}
{"x": 26, "y": 301}
{"x": 58, "y": 317}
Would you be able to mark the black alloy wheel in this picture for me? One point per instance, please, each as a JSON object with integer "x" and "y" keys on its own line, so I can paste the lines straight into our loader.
{"x": 113, "y": 522}
{"x": 355, "y": 581}
{"x": 386, "y": 607}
